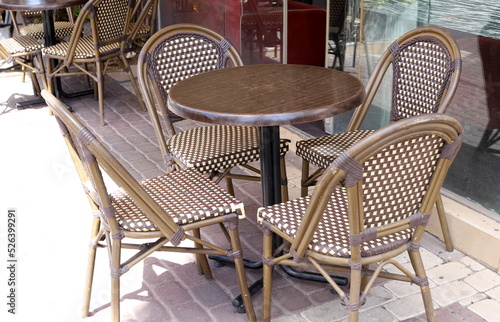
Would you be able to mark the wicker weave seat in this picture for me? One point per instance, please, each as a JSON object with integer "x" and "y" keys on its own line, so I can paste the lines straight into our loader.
{"x": 105, "y": 48}
{"x": 391, "y": 180}
{"x": 62, "y": 29}
{"x": 171, "y": 55}
{"x": 165, "y": 208}
{"x": 426, "y": 66}
{"x": 25, "y": 54}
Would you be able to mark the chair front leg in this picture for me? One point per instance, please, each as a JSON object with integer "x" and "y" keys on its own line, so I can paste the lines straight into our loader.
{"x": 89, "y": 278}
{"x": 237, "y": 254}
{"x": 421, "y": 280}
{"x": 116, "y": 272}
{"x": 268, "y": 274}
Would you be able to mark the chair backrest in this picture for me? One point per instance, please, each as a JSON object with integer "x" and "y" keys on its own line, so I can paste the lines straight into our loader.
{"x": 109, "y": 24}
{"x": 392, "y": 179}
{"x": 337, "y": 14}
{"x": 90, "y": 156}
{"x": 175, "y": 53}
{"x": 426, "y": 65}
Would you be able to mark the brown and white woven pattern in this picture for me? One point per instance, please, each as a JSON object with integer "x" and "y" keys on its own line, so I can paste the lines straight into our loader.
{"x": 84, "y": 48}
{"x": 184, "y": 55}
{"x": 62, "y": 28}
{"x": 111, "y": 16}
{"x": 396, "y": 179}
{"x": 323, "y": 150}
{"x": 421, "y": 71}
{"x": 20, "y": 44}
{"x": 211, "y": 148}
{"x": 332, "y": 236}
{"x": 186, "y": 195}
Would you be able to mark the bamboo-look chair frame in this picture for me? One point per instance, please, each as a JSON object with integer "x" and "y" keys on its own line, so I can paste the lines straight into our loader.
{"x": 346, "y": 246}
{"x": 104, "y": 46}
{"x": 108, "y": 229}
{"x": 173, "y": 145}
{"x": 23, "y": 51}
{"x": 146, "y": 14}
{"x": 447, "y": 85}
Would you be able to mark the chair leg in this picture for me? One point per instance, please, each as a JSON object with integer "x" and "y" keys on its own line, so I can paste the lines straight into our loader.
{"x": 100, "y": 90}
{"x": 201, "y": 259}
{"x": 418, "y": 266}
{"x": 267, "y": 275}
{"x": 240, "y": 269}
{"x": 133, "y": 82}
{"x": 229, "y": 186}
{"x": 115, "y": 279}
{"x": 284, "y": 181}
{"x": 444, "y": 224}
{"x": 89, "y": 278}
{"x": 354, "y": 292}
{"x": 304, "y": 190}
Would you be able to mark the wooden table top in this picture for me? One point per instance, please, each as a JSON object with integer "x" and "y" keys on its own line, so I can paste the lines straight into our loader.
{"x": 17, "y": 5}
{"x": 266, "y": 95}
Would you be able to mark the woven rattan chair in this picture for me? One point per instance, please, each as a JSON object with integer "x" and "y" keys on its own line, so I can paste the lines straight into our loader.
{"x": 392, "y": 179}
{"x": 105, "y": 48}
{"x": 426, "y": 66}
{"x": 62, "y": 28}
{"x": 163, "y": 209}
{"x": 178, "y": 52}
{"x": 335, "y": 32}
{"x": 24, "y": 52}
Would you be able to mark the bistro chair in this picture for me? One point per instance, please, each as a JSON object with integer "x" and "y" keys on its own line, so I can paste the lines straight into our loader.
{"x": 105, "y": 48}
{"x": 426, "y": 67}
{"x": 63, "y": 28}
{"x": 336, "y": 32}
{"x": 392, "y": 179}
{"x": 162, "y": 211}
{"x": 24, "y": 53}
{"x": 176, "y": 53}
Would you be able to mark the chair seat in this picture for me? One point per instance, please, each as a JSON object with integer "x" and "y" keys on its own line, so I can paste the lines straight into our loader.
{"x": 20, "y": 44}
{"x": 332, "y": 236}
{"x": 84, "y": 48}
{"x": 62, "y": 29}
{"x": 323, "y": 150}
{"x": 211, "y": 148}
{"x": 186, "y": 195}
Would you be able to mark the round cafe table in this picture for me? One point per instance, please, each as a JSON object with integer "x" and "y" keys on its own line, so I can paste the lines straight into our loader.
{"x": 267, "y": 96}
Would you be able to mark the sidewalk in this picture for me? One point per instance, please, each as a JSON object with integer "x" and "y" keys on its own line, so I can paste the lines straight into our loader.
{"x": 53, "y": 226}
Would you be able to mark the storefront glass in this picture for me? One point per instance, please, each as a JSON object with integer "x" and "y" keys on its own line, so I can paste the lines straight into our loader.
{"x": 263, "y": 34}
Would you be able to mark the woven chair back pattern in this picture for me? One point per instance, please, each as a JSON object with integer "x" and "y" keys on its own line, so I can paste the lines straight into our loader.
{"x": 337, "y": 13}
{"x": 395, "y": 179}
{"x": 111, "y": 18}
{"x": 422, "y": 68}
{"x": 184, "y": 55}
